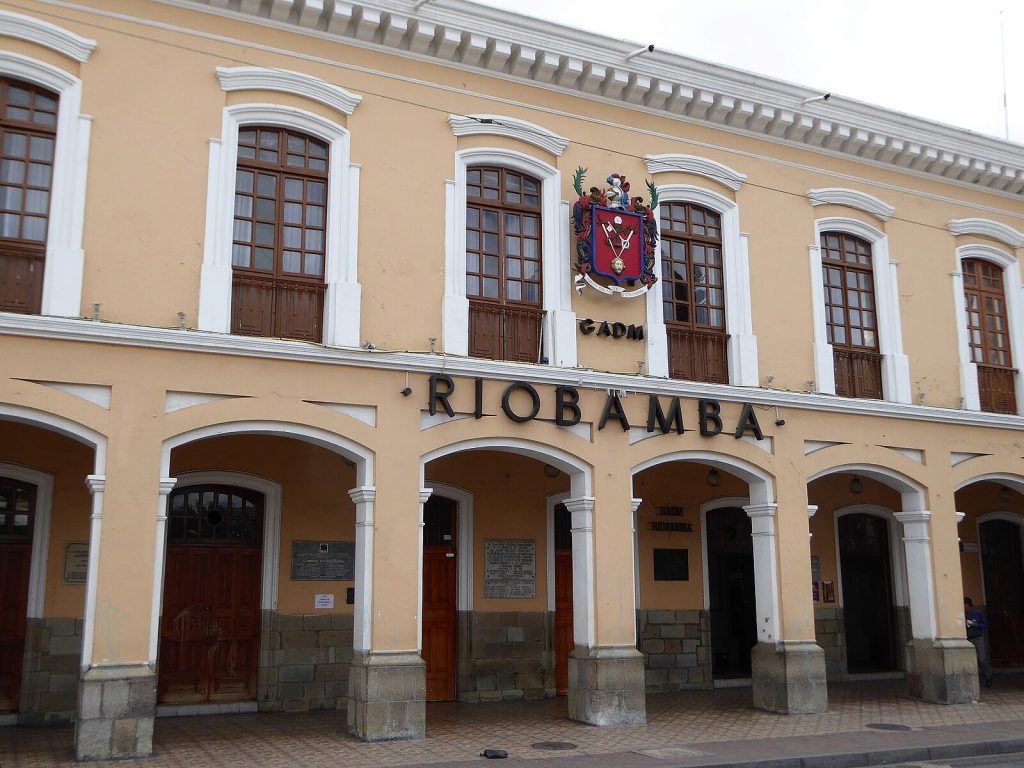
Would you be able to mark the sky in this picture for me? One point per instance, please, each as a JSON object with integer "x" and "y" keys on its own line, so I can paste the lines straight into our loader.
{"x": 928, "y": 58}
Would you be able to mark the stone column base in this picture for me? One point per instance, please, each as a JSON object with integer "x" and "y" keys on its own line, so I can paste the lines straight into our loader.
{"x": 606, "y": 685}
{"x": 116, "y": 707}
{"x": 789, "y": 677}
{"x": 943, "y": 671}
{"x": 387, "y": 696}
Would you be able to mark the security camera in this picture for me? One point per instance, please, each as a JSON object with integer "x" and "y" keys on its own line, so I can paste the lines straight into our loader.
{"x": 822, "y": 97}
{"x": 780, "y": 422}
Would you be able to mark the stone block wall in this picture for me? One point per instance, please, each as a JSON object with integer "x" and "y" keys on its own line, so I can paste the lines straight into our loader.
{"x": 505, "y": 655}
{"x": 829, "y": 633}
{"x": 49, "y": 683}
{"x": 677, "y": 649}
{"x": 304, "y": 662}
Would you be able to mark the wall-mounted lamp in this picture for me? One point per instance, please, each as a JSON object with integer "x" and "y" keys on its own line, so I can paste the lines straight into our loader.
{"x": 1004, "y": 494}
{"x": 856, "y": 485}
{"x": 551, "y": 471}
{"x": 714, "y": 478}
{"x": 638, "y": 51}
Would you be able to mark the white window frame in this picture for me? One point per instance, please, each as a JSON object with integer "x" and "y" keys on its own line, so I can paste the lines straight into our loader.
{"x": 343, "y": 292}
{"x": 741, "y": 348}
{"x": 65, "y": 258}
{"x": 1014, "y": 319}
{"x": 895, "y": 365}
{"x": 559, "y": 325}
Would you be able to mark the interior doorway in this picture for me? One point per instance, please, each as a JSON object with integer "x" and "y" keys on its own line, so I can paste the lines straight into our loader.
{"x": 564, "y": 642}
{"x": 732, "y": 606}
{"x": 1003, "y": 570}
{"x": 210, "y": 625}
{"x": 868, "y": 610}
{"x": 17, "y": 521}
{"x": 440, "y": 591}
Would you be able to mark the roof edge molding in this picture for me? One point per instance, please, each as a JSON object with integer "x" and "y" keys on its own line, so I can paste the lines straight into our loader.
{"x": 507, "y": 45}
{"x": 510, "y": 127}
{"x": 46, "y": 34}
{"x": 987, "y": 228}
{"x": 699, "y": 166}
{"x": 313, "y": 88}
{"x": 851, "y": 198}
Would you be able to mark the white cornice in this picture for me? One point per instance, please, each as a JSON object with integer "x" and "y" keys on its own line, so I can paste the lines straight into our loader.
{"x": 851, "y": 198}
{"x": 278, "y": 350}
{"x": 987, "y": 228}
{"x": 508, "y": 45}
{"x": 261, "y": 78}
{"x": 510, "y": 127}
{"x": 46, "y": 34}
{"x": 699, "y": 166}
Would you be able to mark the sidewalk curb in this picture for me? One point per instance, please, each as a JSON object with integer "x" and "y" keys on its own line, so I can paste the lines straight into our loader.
{"x": 871, "y": 757}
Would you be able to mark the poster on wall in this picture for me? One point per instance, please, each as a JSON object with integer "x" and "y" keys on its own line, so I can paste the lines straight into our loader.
{"x": 510, "y": 568}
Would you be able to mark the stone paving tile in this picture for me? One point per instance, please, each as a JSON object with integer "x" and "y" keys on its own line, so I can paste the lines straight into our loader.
{"x": 458, "y": 732}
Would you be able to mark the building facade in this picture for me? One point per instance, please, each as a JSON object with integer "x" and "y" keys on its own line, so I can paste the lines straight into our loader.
{"x": 308, "y": 403}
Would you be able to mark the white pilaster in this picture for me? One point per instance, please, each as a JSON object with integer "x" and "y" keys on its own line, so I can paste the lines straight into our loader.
{"x": 766, "y": 570}
{"x": 95, "y": 484}
{"x": 824, "y": 370}
{"x": 363, "y": 496}
{"x": 635, "y": 505}
{"x": 917, "y": 546}
{"x": 159, "y": 554}
{"x": 425, "y": 494}
{"x": 583, "y": 609}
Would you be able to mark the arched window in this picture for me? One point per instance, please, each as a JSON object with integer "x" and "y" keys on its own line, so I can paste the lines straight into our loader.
{"x": 693, "y": 292}
{"x": 28, "y": 132}
{"x": 279, "y": 239}
{"x": 989, "y": 335}
{"x": 503, "y": 264}
{"x": 851, "y": 319}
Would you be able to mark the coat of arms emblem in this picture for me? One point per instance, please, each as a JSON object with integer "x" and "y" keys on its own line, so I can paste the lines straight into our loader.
{"x": 616, "y": 236}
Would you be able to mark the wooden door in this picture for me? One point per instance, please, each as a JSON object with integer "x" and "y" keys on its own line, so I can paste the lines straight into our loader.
{"x": 17, "y": 519}
{"x": 440, "y": 629}
{"x": 868, "y": 611}
{"x": 1004, "y": 591}
{"x": 210, "y": 626}
{"x": 564, "y": 642}
{"x": 732, "y": 609}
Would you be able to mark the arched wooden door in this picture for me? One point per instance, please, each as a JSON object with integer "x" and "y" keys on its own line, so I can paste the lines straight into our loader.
{"x": 564, "y": 642}
{"x": 210, "y": 626}
{"x": 17, "y": 519}
{"x": 1004, "y": 591}
{"x": 732, "y": 608}
{"x": 440, "y": 593}
{"x": 868, "y": 611}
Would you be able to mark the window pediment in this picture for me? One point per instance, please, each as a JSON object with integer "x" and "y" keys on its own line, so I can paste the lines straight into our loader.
{"x": 851, "y": 198}
{"x": 698, "y": 166}
{"x": 47, "y": 35}
{"x": 284, "y": 81}
{"x": 987, "y": 228}
{"x": 510, "y": 127}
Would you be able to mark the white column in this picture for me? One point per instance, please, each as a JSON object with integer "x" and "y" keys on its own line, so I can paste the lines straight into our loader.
{"x": 362, "y": 637}
{"x": 917, "y": 546}
{"x": 968, "y": 369}
{"x": 656, "y": 333}
{"x": 895, "y": 364}
{"x": 561, "y": 346}
{"x": 812, "y": 510}
{"x": 766, "y": 570}
{"x": 95, "y": 484}
{"x": 583, "y": 622}
{"x": 455, "y": 305}
{"x": 159, "y": 554}
{"x": 425, "y": 494}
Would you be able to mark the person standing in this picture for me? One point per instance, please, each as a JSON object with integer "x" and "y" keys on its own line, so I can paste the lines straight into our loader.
{"x": 976, "y": 626}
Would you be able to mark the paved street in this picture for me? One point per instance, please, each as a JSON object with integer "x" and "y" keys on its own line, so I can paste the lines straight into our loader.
{"x": 692, "y": 728}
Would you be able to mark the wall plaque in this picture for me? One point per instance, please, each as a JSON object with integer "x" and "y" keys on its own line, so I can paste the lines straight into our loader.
{"x": 76, "y": 562}
{"x": 323, "y": 560}
{"x": 510, "y": 568}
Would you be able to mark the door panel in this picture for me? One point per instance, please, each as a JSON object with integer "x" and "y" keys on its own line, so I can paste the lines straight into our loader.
{"x": 15, "y": 559}
{"x": 564, "y": 643}
{"x": 440, "y": 594}
{"x": 868, "y": 611}
{"x": 732, "y": 609}
{"x": 1003, "y": 568}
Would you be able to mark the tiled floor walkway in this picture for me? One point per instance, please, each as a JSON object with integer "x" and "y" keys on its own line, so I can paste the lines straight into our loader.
{"x": 457, "y": 732}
